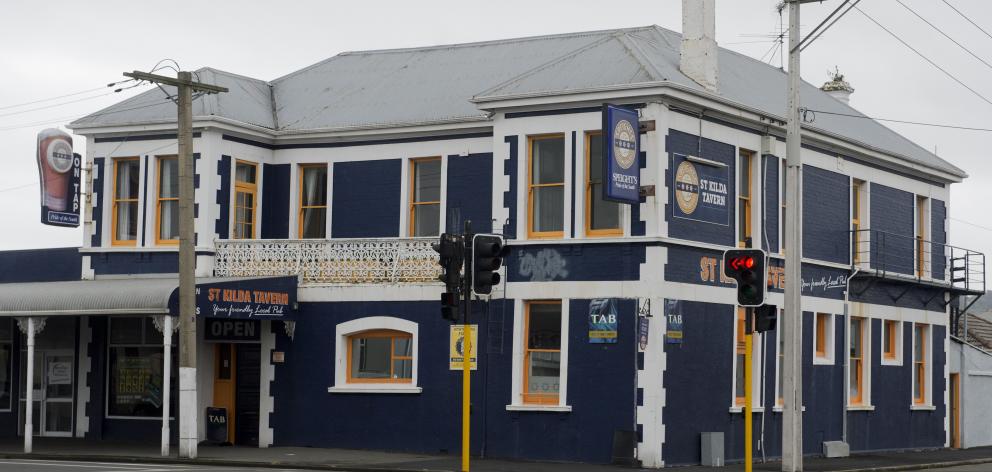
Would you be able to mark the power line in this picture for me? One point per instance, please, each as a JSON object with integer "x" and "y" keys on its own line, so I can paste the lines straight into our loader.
{"x": 943, "y": 33}
{"x": 6, "y": 107}
{"x": 92, "y": 115}
{"x": 863, "y": 117}
{"x": 969, "y": 19}
{"x": 924, "y": 57}
{"x": 959, "y": 220}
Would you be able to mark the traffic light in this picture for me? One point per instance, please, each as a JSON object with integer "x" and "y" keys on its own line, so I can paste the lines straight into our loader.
{"x": 487, "y": 257}
{"x": 747, "y": 267}
{"x": 450, "y": 248}
{"x": 765, "y": 318}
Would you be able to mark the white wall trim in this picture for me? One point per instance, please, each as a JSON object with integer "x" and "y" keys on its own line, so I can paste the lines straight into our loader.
{"x": 266, "y": 433}
{"x": 347, "y": 328}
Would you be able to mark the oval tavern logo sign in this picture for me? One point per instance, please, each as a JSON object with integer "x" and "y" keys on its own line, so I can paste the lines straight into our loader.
{"x": 687, "y": 187}
{"x": 624, "y": 144}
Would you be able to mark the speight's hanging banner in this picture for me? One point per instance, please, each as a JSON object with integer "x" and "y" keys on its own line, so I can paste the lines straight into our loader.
{"x": 602, "y": 321}
{"x": 700, "y": 190}
{"x": 621, "y": 166}
{"x": 59, "y": 175}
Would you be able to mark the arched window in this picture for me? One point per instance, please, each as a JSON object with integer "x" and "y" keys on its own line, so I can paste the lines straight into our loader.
{"x": 376, "y": 354}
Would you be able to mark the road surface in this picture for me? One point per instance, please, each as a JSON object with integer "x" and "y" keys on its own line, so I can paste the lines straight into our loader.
{"x": 19, "y": 465}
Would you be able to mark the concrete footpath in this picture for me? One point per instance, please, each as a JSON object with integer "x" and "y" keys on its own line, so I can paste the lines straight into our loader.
{"x": 356, "y": 460}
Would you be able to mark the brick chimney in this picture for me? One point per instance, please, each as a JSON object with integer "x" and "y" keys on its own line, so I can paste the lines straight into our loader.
{"x": 699, "y": 49}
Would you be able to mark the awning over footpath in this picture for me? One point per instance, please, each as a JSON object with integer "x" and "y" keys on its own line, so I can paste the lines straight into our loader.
{"x": 242, "y": 298}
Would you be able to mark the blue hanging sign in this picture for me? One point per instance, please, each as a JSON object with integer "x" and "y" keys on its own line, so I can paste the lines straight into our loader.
{"x": 268, "y": 298}
{"x": 621, "y": 155}
{"x": 602, "y": 321}
{"x": 700, "y": 190}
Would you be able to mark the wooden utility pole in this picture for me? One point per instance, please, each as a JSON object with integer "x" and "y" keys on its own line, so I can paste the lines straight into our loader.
{"x": 188, "y": 437}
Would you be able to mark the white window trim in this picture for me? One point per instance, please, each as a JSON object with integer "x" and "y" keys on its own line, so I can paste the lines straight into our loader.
{"x": 898, "y": 360}
{"x": 579, "y": 187}
{"x": 829, "y": 357}
{"x": 928, "y": 371}
{"x": 341, "y": 333}
{"x": 866, "y": 362}
{"x": 407, "y": 200}
{"x": 756, "y": 378}
{"x": 517, "y": 383}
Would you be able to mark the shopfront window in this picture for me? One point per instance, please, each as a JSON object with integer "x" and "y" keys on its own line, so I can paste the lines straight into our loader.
{"x": 135, "y": 369}
{"x": 6, "y": 337}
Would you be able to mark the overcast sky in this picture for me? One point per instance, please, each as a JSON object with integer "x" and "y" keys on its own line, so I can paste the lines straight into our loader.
{"x": 54, "y": 48}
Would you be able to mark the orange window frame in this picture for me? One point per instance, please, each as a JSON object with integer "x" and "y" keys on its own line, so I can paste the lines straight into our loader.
{"x": 531, "y": 234}
{"x": 739, "y": 350}
{"x": 618, "y": 231}
{"x": 393, "y": 357}
{"x": 920, "y": 365}
{"x": 779, "y": 400}
{"x": 413, "y": 191}
{"x": 744, "y": 201}
{"x": 537, "y": 398}
{"x": 114, "y": 241}
{"x": 890, "y": 328}
{"x": 248, "y": 188}
{"x": 856, "y": 188}
{"x": 921, "y": 235}
{"x": 857, "y": 362}
{"x": 299, "y": 226}
{"x": 159, "y": 199}
{"x": 821, "y": 334}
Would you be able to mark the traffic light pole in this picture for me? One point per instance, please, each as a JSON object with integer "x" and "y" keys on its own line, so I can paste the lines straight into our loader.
{"x": 748, "y": 416}
{"x": 466, "y": 347}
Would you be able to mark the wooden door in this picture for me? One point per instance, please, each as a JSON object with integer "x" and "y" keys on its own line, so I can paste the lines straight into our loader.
{"x": 225, "y": 377}
{"x": 955, "y": 411}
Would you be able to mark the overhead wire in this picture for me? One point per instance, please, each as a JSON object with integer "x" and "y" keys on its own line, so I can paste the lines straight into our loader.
{"x": 29, "y": 110}
{"x": 934, "y": 64}
{"x": 809, "y": 40}
{"x": 817, "y": 28}
{"x": 969, "y": 51}
{"x": 969, "y": 19}
{"x": 7, "y": 107}
{"x": 908, "y": 122}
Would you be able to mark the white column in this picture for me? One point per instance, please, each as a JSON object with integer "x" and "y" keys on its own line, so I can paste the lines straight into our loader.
{"x": 166, "y": 380}
{"x": 29, "y": 411}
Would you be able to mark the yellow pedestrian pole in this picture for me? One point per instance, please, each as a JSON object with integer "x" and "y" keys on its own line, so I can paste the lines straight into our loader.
{"x": 748, "y": 426}
{"x": 466, "y": 391}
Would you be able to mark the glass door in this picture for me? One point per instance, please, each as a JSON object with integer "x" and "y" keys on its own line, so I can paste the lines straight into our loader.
{"x": 53, "y": 406}
{"x": 58, "y": 410}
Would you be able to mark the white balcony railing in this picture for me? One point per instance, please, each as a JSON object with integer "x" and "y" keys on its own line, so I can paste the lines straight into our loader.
{"x": 330, "y": 261}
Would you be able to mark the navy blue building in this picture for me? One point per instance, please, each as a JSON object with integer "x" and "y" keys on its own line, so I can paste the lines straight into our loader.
{"x": 341, "y": 174}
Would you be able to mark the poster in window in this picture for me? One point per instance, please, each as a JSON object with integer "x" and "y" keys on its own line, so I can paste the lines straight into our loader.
{"x": 700, "y": 190}
{"x": 643, "y": 325}
{"x": 59, "y": 373}
{"x": 603, "y": 321}
{"x": 457, "y": 347}
{"x": 621, "y": 155}
{"x": 673, "y": 321}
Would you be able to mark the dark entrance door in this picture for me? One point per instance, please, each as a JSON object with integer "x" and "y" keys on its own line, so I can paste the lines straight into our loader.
{"x": 248, "y": 365}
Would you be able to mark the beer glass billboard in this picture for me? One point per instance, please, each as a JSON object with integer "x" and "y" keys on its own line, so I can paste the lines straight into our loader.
{"x": 59, "y": 173}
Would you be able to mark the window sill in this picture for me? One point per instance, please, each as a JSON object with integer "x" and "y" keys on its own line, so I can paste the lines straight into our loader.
{"x": 822, "y": 361}
{"x": 778, "y": 408}
{"x": 375, "y": 389}
{"x": 545, "y": 408}
{"x": 860, "y": 407}
{"x": 891, "y": 362}
{"x": 740, "y": 410}
{"x": 923, "y": 408}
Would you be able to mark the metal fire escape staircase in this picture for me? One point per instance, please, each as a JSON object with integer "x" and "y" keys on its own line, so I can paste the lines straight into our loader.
{"x": 906, "y": 262}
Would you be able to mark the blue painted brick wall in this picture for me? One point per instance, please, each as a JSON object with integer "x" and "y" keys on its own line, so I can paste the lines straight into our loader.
{"x": 470, "y": 182}
{"x": 575, "y": 262}
{"x": 510, "y": 196}
{"x": 826, "y": 215}
{"x": 770, "y": 185}
{"x": 223, "y": 198}
{"x": 98, "y": 182}
{"x": 938, "y": 235}
{"x": 892, "y": 213}
{"x": 678, "y": 142}
{"x": 40, "y": 265}
{"x": 366, "y": 199}
{"x": 275, "y": 201}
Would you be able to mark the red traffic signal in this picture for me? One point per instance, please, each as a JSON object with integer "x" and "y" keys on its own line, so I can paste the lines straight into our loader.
{"x": 747, "y": 267}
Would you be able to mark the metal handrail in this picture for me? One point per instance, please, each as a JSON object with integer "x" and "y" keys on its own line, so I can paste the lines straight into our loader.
{"x": 889, "y": 254}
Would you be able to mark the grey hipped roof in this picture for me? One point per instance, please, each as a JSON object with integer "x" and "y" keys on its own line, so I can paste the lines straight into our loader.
{"x": 445, "y": 84}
